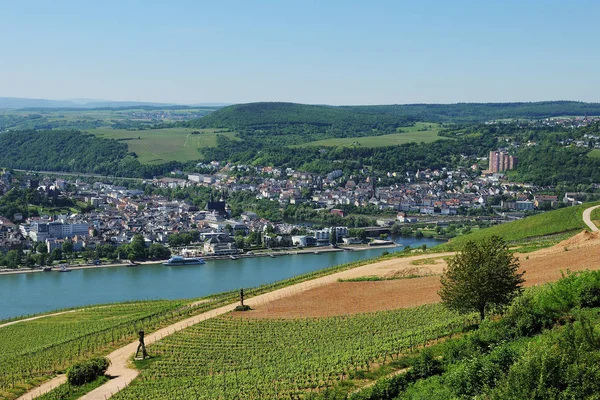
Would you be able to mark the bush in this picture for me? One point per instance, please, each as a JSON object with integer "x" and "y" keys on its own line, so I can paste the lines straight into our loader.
{"x": 87, "y": 371}
{"x": 589, "y": 291}
{"x": 384, "y": 389}
{"x": 425, "y": 365}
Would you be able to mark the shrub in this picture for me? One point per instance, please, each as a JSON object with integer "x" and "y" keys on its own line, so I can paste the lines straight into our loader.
{"x": 425, "y": 365}
{"x": 87, "y": 371}
{"x": 588, "y": 294}
{"x": 384, "y": 389}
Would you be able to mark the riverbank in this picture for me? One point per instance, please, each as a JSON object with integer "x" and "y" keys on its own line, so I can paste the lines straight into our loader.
{"x": 56, "y": 268}
{"x": 274, "y": 253}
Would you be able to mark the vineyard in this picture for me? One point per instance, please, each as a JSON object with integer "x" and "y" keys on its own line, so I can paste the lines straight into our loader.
{"x": 35, "y": 350}
{"x": 233, "y": 358}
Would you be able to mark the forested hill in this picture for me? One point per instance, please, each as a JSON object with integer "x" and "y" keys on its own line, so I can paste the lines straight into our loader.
{"x": 269, "y": 115}
{"x": 382, "y": 117}
{"x": 72, "y": 151}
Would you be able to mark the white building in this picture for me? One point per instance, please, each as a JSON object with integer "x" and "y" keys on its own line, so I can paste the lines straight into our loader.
{"x": 40, "y": 231}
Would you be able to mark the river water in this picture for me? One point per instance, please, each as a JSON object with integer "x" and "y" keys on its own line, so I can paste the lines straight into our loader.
{"x": 31, "y": 293}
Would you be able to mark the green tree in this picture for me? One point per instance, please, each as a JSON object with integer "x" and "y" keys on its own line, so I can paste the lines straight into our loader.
{"x": 57, "y": 254}
{"x": 41, "y": 247}
{"x": 137, "y": 248}
{"x": 42, "y": 258}
{"x": 13, "y": 258}
{"x": 157, "y": 251}
{"x": 29, "y": 260}
{"x": 240, "y": 242}
{"x": 405, "y": 231}
{"x": 67, "y": 248}
{"x": 86, "y": 255}
{"x": 333, "y": 237}
{"x": 482, "y": 275}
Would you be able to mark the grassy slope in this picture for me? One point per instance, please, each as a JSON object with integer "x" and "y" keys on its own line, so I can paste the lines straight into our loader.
{"x": 156, "y": 146}
{"x": 595, "y": 153}
{"x": 595, "y": 216}
{"x": 558, "y": 221}
{"x": 409, "y": 134}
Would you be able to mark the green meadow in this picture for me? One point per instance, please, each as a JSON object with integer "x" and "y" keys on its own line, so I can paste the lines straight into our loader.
{"x": 421, "y": 132}
{"x": 156, "y": 146}
{"x": 595, "y": 153}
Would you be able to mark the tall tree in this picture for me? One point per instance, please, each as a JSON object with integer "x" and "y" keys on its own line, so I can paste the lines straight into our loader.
{"x": 137, "y": 248}
{"x": 482, "y": 275}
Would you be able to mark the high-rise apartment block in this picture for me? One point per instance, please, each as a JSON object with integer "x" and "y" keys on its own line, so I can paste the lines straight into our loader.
{"x": 501, "y": 161}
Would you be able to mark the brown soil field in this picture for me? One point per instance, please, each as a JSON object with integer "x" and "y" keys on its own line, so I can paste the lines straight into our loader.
{"x": 578, "y": 253}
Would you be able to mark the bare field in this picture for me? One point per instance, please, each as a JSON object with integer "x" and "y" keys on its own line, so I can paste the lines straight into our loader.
{"x": 578, "y": 253}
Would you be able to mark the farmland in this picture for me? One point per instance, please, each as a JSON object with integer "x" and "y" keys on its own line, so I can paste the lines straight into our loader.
{"x": 230, "y": 358}
{"x": 36, "y": 350}
{"x": 156, "y": 146}
{"x": 420, "y": 132}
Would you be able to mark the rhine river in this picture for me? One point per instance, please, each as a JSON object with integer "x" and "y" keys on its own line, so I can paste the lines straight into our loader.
{"x": 32, "y": 293}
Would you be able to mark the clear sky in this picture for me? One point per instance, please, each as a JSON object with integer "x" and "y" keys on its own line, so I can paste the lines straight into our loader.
{"x": 322, "y": 51}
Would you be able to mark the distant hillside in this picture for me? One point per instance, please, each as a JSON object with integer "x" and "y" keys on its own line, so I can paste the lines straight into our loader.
{"x": 259, "y": 115}
{"x": 72, "y": 151}
{"x": 558, "y": 221}
{"x": 19, "y": 103}
{"x": 254, "y": 115}
{"x": 474, "y": 112}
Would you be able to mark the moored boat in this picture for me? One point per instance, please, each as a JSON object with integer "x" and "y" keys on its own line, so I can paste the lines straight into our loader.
{"x": 179, "y": 260}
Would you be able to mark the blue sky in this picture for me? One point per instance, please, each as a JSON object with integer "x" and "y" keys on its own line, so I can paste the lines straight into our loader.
{"x": 327, "y": 51}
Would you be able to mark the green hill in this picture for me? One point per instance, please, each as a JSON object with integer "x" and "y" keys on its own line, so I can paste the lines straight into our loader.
{"x": 473, "y": 112}
{"x": 72, "y": 151}
{"x": 552, "y": 222}
{"x": 310, "y": 117}
{"x": 253, "y": 115}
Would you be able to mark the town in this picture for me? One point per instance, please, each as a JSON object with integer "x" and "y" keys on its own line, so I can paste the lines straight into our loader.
{"x": 114, "y": 215}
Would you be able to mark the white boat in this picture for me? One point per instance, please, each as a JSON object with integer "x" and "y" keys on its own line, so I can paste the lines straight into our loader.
{"x": 179, "y": 260}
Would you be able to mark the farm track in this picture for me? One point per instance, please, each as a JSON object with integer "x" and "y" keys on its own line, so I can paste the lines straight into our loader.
{"x": 39, "y": 316}
{"x": 44, "y": 387}
{"x": 587, "y": 213}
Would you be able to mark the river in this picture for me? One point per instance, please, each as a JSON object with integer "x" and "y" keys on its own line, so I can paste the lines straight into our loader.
{"x": 32, "y": 293}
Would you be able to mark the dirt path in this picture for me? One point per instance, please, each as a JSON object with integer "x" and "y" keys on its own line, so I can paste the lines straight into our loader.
{"x": 44, "y": 388}
{"x": 587, "y": 213}
{"x": 39, "y": 316}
